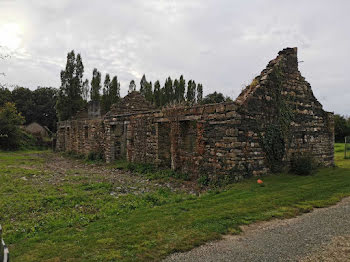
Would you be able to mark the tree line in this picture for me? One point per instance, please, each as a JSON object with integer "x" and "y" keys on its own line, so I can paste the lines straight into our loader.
{"x": 34, "y": 105}
{"x": 22, "y": 106}
{"x": 172, "y": 92}
{"x": 341, "y": 127}
{"x": 74, "y": 92}
{"x": 47, "y": 105}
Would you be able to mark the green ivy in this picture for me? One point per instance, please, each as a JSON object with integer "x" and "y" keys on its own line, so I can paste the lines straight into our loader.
{"x": 277, "y": 137}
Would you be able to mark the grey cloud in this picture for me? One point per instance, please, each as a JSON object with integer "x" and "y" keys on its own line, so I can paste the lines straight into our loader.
{"x": 222, "y": 44}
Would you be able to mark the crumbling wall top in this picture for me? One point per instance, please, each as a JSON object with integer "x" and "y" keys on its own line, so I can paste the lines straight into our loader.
{"x": 131, "y": 103}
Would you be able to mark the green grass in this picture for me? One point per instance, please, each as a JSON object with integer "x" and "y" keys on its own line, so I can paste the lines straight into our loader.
{"x": 149, "y": 171}
{"x": 81, "y": 221}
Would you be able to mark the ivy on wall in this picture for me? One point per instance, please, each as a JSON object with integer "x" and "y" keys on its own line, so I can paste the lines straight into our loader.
{"x": 276, "y": 137}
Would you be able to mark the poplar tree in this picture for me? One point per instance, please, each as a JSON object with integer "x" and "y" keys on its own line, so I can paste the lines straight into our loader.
{"x": 148, "y": 93}
{"x": 191, "y": 91}
{"x": 69, "y": 99}
{"x": 95, "y": 86}
{"x": 105, "y": 100}
{"x": 177, "y": 90}
{"x": 114, "y": 90}
{"x": 143, "y": 85}
{"x": 157, "y": 94}
{"x": 168, "y": 91}
{"x": 182, "y": 89}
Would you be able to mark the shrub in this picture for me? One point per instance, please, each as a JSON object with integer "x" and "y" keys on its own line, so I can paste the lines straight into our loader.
{"x": 10, "y": 132}
{"x": 94, "y": 156}
{"x": 27, "y": 141}
{"x": 153, "y": 172}
{"x": 302, "y": 164}
{"x": 204, "y": 180}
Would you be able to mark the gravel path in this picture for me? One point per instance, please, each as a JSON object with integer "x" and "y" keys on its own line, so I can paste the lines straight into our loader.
{"x": 310, "y": 237}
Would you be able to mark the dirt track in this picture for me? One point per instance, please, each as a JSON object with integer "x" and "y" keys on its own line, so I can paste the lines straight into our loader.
{"x": 322, "y": 235}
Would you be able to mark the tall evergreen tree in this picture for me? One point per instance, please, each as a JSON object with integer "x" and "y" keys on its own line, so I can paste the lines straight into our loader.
{"x": 95, "y": 85}
{"x": 69, "y": 100}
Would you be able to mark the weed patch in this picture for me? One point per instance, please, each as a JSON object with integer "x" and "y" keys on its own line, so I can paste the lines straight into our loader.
{"x": 150, "y": 171}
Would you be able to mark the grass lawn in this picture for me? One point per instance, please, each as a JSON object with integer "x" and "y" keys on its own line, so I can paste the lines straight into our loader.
{"x": 80, "y": 220}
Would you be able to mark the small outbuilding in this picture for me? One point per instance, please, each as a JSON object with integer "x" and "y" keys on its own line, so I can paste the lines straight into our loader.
{"x": 37, "y": 130}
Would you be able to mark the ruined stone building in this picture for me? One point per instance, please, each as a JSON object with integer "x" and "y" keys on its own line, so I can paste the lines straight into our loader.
{"x": 274, "y": 119}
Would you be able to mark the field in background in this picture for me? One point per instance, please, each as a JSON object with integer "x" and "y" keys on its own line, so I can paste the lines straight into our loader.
{"x": 86, "y": 213}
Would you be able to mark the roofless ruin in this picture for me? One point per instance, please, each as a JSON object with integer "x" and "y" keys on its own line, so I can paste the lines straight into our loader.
{"x": 275, "y": 118}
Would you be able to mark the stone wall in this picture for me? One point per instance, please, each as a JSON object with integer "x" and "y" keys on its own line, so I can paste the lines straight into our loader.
{"x": 281, "y": 98}
{"x": 81, "y": 136}
{"x": 274, "y": 118}
{"x": 131, "y": 103}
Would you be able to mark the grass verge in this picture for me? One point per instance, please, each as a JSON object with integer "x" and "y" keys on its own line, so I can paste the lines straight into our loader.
{"x": 150, "y": 171}
{"x": 80, "y": 221}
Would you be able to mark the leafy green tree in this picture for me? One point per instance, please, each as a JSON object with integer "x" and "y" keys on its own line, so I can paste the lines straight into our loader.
{"x": 214, "y": 98}
{"x": 24, "y": 102}
{"x": 45, "y": 99}
{"x": 10, "y": 132}
{"x": 341, "y": 128}
{"x": 5, "y": 96}
{"x": 69, "y": 100}
{"x": 95, "y": 86}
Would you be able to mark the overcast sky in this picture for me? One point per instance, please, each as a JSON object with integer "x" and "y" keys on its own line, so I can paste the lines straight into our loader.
{"x": 223, "y": 44}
